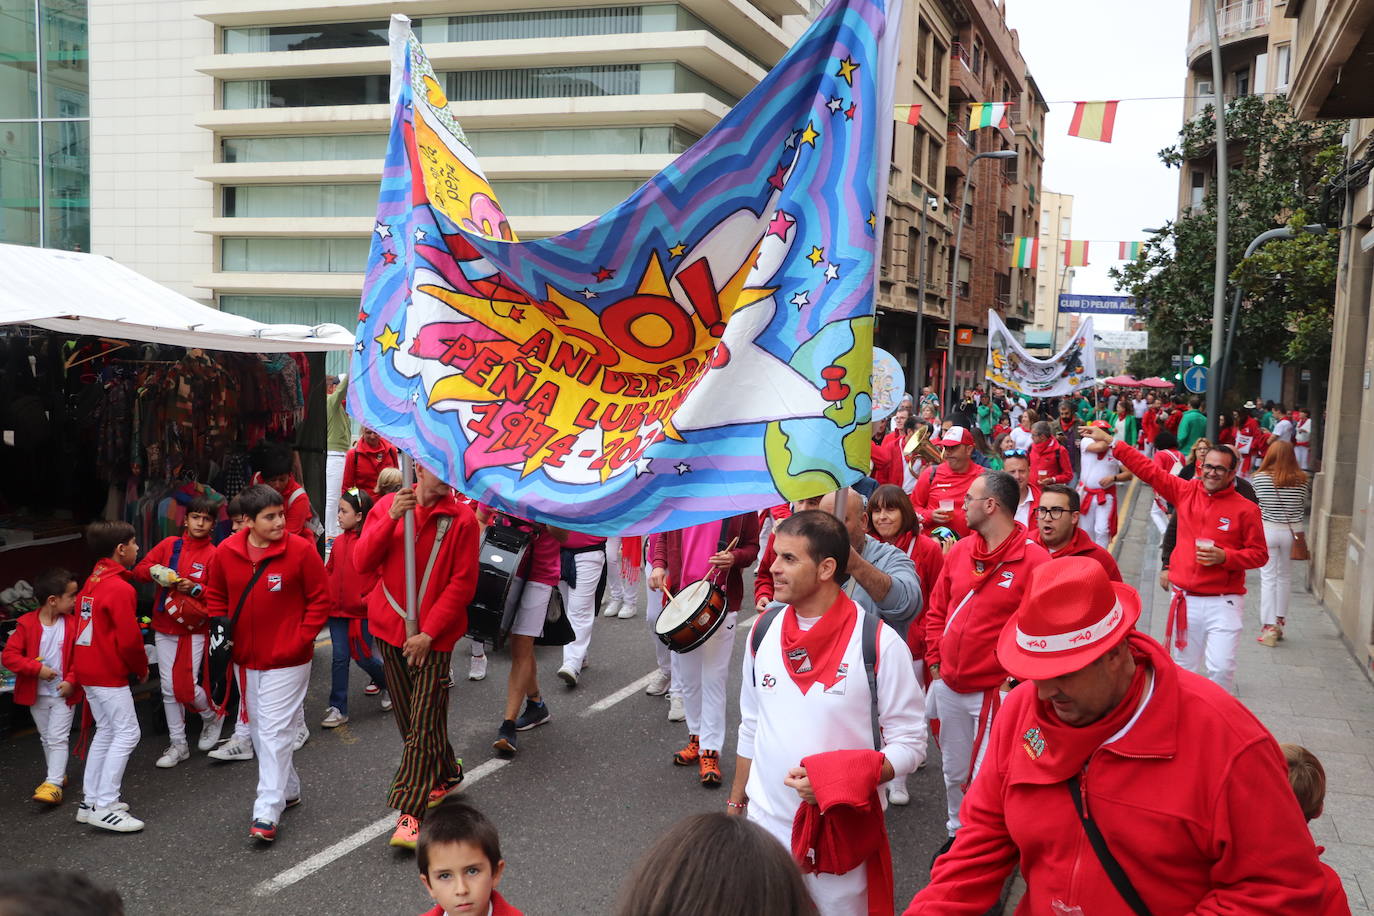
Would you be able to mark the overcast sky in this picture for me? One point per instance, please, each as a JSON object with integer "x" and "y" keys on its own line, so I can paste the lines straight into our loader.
{"x": 1096, "y": 50}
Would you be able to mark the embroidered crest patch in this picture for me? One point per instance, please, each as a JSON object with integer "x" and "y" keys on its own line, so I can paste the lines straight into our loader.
{"x": 1033, "y": 743}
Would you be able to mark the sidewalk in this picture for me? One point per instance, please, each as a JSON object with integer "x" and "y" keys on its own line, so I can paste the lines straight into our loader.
{"x": 1308, "y": 691}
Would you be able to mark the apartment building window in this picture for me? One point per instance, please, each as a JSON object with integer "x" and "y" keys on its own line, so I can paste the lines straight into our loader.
{"x": 918, "y": 153}
{"x": 965, "y": 271}
{"x": 977, "y": 64}
{"x": 561, "y": 198}
{"x": 932, "y": 259}
{"x": 1202, "y": 95}
{"x": 306, "y": 37}
{"x": 1282, "y": 63}
{"x": 922, "y": 49}
{"x": 941, "y": 62}
{"x": 933, "y": 166}
{"x": 913, "y": 255}
{"x": 305, "y": 93}
{"x": 300, "y": 200}
{"x": 282, "y": 255}
{"x": 1241, "y": 80}
{"x": 581, "y": 141}
{"x": 1198, "y": 189}
{"x": 304, "y": 149}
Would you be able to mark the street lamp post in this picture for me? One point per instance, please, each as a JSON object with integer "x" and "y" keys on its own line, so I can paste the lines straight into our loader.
{"x": 919, "y": 381}
{"x": 1223, "y": 213}
{"x": 945, "y": 403}
{"x": 1224, "y": 368}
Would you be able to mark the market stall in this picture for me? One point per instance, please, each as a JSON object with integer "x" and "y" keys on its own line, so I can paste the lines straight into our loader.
{"x": 122, "y": 399}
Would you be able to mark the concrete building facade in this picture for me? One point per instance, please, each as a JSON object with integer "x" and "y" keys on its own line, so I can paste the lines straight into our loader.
{"x": 1049, "y": 330}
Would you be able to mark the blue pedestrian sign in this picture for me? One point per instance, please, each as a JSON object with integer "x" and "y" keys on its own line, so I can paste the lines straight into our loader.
{"x": 1195, "y": 379}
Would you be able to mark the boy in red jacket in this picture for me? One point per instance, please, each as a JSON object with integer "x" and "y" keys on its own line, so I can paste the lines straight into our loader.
{"x": 108, "y": 651}
{"x": 179, "y": 625}
{"x": 349, "y": 588}
{"x": 273, "y": 586}
{"x": 39, "y": 652}
{"x": 366, "y": 460}
{"x": 1307, "y": 776}
{"x": 276, "y": 465}
{"x": 459, "y": 854}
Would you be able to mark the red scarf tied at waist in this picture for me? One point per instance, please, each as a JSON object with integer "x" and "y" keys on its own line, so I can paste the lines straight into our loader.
{"x": 1178, "y": 615}
{"x": 844, "y": 829}
{"x": 815, "y": 654}
{"x": 631, "y": 557}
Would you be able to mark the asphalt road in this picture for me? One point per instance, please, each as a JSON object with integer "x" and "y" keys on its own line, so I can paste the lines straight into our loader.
{"x": 587, "y": 795}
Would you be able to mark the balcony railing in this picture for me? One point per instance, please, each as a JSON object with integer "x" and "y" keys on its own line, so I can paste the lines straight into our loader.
{"x": 1233, "y": 21}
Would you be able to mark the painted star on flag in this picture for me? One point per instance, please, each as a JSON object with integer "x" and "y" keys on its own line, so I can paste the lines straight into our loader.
{"x": 359, "y": 346}
{"x": 849, "y": 112}
{"x": 678, "y": 250}
{"x": 835, "y": 104}
{"x": 810, "y": 135}
{"x": 604, "y": 274}
{"x": 846, "y": 71}
{"x": 800, "y": 299}
{"x": 779, "y": 225}
{"x": 419, "y": 235}
{"x": 388, "y": 340}
{"x": 382, "y": 230}
{"x": 588, "y": 293}
{"x": 816, "y": 256}
{"x": 778, "y": 178}
{"x": 792, "y": 139}
{"x": 682, "y": 467}
{"x": 389, "y": 257}
{"x": 832, "y": 272}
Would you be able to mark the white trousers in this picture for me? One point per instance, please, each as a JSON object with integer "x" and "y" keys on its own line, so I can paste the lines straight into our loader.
{"x": 620, "y": 588}
{"x": 662, "y": 654}
{"x": 1096, "y": 519}
{"x": 1214, "y": 625}
{"x": 333, "y": 486}
{"x": 53, "y": 717}
{"x": 1301, "y": 452}
{"x": 116, "y": 736}
{"x": 958, "y": 713}
{"x": 1159, "y": 517}
{"x": 274, "y": 699}
{"x": 834, "y": 895}
{"x": 702, "y": 676}
{"x": 166, "y": 657}
{"x": 1276, "y": 575}
{"x": 581, "y": 606}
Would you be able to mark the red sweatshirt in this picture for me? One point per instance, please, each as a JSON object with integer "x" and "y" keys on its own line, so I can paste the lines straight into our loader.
{"x": 666, "y": 554}
{"x": 21, "y": 657}
{"x": 925, "y": 552}
{"x": 443, "y": 611}
{"x": 892, "y": 460}
{"x": 1080, "y": 545}
{"x": 499, "y": 907}
{"x": 364, "y": 462}
{"x": 193, "y": 564}
{"x": 107, "y": 619}
{"x": 763, "y": 579}
{"x": 349, "y": 586}
{"x": 963, "y": 644}
{"x": 286, "y": 608}
{"x": 1052, "y": 458}
{"x": 1228, "y": 518}
{"x": 942, "y": 483}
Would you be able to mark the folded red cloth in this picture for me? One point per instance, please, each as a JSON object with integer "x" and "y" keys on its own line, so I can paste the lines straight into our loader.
{"x": 845, "y": 828}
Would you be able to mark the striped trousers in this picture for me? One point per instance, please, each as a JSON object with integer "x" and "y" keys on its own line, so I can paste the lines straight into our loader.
{"x": 420, "y": 706}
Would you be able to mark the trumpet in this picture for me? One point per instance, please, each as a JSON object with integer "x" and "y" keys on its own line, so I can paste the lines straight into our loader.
{"x": 918, "y": 445}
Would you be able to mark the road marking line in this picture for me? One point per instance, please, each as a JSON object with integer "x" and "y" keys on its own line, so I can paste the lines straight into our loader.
{"x": 349, "y": 843}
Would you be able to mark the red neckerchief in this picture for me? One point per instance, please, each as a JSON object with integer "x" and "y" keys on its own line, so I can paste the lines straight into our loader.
{"x": 984, "y": 559}
{"x": 1060, "y": 750}
{"x": 903, "y": 541}
{"x": 814, "y": 655}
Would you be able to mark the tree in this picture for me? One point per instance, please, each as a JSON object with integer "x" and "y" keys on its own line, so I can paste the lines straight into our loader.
{"x": 1278, "y": 168}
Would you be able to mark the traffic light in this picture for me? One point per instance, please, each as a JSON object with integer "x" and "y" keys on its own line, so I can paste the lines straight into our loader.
{"x": 1199, "y": 359}
{"x": 1178, "y": 376}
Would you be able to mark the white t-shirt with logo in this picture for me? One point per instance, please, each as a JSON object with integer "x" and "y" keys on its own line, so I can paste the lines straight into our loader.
{"x": 50, "y": 650}
{"x": 1284, "y": 429}
{"x": 1097, "y": 468}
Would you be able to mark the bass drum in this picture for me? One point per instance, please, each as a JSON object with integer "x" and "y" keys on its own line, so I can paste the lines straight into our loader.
{"x": 498, "y": 589}
{"x": 691, "y": 617}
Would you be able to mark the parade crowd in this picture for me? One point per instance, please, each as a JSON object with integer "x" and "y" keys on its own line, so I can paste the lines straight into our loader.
{"x": 966, "y": 592}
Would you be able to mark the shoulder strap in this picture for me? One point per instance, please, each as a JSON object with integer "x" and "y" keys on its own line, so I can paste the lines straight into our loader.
{"x": 869, "y": 642}
{"x": 253, "y": 580}
{"x": 441, "y": 525}
{"x": 756, "y": 637}
{"x": 1120, "y": 880}
{"x": 160, "y": 596}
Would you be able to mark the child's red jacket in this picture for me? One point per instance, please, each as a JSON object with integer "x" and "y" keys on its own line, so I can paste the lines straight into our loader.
{"x": 21, "y": 657}
{"x": 109, "y": 643}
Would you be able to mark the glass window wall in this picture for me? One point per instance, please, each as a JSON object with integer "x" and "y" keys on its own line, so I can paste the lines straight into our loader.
{"x": 305, "y": 93}
{"x": 19, "y": 183}
{"x": 67, "y": 184}
{"x": 307, "y": 310}
{"x": 561, "y": 198}
{"x": 305, "y": 149}
{"x": 18, "y": 59}
{"x": 279, "y": 255}
{"x": 300, "y": 200}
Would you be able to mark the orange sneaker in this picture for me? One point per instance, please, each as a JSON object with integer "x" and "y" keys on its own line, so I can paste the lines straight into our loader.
{"x": 710, "y": 769}
{"x": 407, "y": 832}
{"x": 689, "y": 754}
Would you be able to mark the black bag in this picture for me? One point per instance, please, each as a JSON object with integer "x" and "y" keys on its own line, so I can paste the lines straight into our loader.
{"x": 1120, "y": 880}
{"x": 219, "y": 645}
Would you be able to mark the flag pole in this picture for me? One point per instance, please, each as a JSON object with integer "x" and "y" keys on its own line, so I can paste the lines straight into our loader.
{"x": 1223, "y": 214}
{"x": 408, "y": 481}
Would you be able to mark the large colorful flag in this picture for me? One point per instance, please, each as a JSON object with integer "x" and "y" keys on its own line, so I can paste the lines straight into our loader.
{"x": 907, "y": 114}
{"x": 1075, "y": 253}
{"x": 1071, "y": 369}
{"x": 703, "y": 349}
{"x": 1093, "y": 121}
{"x": 1129, "y": 251}
{"x": 988, "y": 114}
{"x": 1026, "y": 253}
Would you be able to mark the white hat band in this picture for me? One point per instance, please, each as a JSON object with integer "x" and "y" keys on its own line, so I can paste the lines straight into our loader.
{"x": 1059, "y": 642}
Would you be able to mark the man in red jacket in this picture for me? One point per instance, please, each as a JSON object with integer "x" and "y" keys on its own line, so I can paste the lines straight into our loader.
{"x": 1188, "y": 789}
{"x": 1057, "y": 530}
{"x": 939, "y": 494}
{"x": 179, "y": 627}
{"x": 1220, "y": 536}
{"x": 108, "y": 651}
{"x": 984, "y": 579}
{"x": 366, "y": 460}
{"x": 273, "y": 587}
{"x": 446, "y": 577}
{"x": 1049, "y": 461}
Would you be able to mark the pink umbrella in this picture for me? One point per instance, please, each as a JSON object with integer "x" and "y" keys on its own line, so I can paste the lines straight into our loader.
{"x": 1127, "y": 380}
{"x": 1155, "y": 381}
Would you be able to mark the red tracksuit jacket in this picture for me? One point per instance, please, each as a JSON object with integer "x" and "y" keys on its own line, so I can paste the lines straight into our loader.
{"x": 286, "y": 608}
{"x": 1080, "y": 545}
{"x": 108, "y": 606}
{"x": 1177, "y": 797}
{"x": 193, "y": 564}
{"x": 499, "y": 907}
{"x": 349, "y": 587}
{"x": 942, "y": 483}
{"x": 965, "y": 653}
{"x": 363, "y": 464}
{"x": 665, "y": 552}
{"x": 1052, "y": 458}
{"x": 443, "y": 611}
{"x": 21, "y": 657}
{"x": 1228, "y": 518}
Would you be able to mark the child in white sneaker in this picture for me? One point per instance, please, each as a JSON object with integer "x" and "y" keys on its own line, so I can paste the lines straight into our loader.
{"x": 109, "y": 650}
{"x": 39, "y": 652}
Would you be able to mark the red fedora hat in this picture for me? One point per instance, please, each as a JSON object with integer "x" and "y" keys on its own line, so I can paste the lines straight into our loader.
{"x": 1071, "y": 616}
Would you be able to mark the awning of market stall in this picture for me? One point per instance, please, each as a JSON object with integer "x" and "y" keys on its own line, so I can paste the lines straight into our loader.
{"x": 86, "y": 294}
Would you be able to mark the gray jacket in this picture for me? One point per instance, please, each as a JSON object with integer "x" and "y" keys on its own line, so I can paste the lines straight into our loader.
{"x": 903, "y": 601}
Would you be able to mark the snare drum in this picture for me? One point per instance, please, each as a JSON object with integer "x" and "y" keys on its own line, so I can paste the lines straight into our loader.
{"x": 691, "y": 617}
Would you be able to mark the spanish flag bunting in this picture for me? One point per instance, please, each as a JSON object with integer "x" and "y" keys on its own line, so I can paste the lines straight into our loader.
{"x": 1075, "y": 253}
{"x": 1093, "y": 121}
{"x": 1026, "y": 253}
{"x": 907, "y": 114}
{"x": 1129, "y": 251}
{"x": 988, "y": 114}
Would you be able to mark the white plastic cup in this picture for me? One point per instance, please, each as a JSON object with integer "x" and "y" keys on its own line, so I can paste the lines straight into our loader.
{"x": 946, "y": 505}
{"x": 1205, "y": 542}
